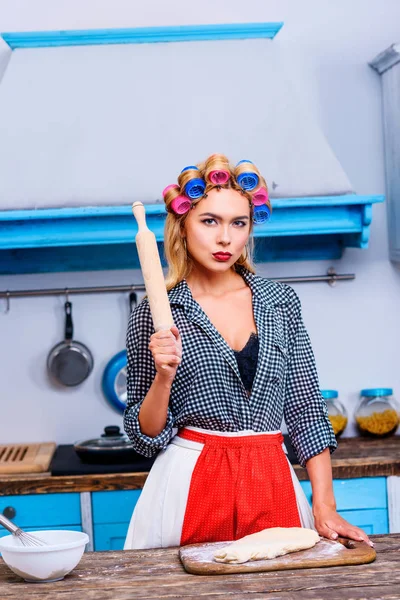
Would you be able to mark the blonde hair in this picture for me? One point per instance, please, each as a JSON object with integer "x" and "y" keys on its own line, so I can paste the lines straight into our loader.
{"x": 179, "y": 261}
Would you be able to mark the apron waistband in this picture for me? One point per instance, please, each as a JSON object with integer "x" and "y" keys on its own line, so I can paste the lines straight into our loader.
{"x": 236, "y": 440}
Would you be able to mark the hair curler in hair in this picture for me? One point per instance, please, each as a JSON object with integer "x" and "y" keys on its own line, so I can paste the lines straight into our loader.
{"x": 152, "y": 272}
{"x": 247, "y": 179}
{"x": 219, "y": 177}
{"x": 181, "y": 204}
{"x": 261, "y": 214}
{"x": 260, "y": 196}
{"x": 195, "y": 187}
{"x": 169, "y": 187}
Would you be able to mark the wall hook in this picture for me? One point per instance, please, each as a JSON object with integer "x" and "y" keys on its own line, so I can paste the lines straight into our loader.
{"x": 332, "y": 277}
{"x": 7, "y": 303}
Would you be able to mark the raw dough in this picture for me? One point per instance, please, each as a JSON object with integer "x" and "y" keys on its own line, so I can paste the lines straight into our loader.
{"x": 267, "y": 543}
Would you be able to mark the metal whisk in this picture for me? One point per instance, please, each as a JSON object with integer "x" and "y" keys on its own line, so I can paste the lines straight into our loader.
{"x": 26, "y": 539}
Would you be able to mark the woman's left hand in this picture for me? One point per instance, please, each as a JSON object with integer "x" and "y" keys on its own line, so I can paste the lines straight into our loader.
{"x": 331, "y": 525}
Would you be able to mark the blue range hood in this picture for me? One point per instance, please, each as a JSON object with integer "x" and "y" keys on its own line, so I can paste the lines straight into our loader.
{"x": 87, "y": 119}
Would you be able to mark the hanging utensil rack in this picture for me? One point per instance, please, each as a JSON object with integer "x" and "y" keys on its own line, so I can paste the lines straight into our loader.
{"x": 331, "y": 278}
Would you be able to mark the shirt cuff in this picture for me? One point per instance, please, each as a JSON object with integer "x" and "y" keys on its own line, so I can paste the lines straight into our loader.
{"x": 143, "y": 444}
{"x": 313, "y": 440}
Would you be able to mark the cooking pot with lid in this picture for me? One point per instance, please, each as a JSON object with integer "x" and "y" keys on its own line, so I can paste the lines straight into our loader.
{"x": 111, "y": 447}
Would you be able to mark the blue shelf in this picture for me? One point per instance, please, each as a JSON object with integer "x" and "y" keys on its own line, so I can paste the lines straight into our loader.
{"x": 140, "y": 35}
{"x": 97, "y": 238}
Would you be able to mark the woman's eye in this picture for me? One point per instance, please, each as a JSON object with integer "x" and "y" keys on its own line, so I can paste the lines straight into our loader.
{"x": 211, "y": 221}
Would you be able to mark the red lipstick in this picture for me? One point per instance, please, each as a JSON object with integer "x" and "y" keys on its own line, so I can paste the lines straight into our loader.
{"x": 222, "y": 256}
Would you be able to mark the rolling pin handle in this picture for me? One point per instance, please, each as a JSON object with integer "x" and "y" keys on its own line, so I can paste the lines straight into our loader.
{"x": 140, "y": 215}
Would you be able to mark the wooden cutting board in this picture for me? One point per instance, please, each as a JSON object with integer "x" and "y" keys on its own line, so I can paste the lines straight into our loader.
{"x": 26, "y": 458}
{"x": 198, "y": 558}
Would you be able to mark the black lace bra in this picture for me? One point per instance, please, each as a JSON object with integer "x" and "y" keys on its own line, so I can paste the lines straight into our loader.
{"x": 247, "y": 359}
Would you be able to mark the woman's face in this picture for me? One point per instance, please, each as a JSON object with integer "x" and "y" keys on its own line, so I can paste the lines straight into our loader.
{"x": 217, "y": 229}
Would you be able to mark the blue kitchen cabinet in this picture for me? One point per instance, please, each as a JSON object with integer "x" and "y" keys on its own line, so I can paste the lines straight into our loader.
{"x": 110, "y": 536}
{"x": 362, "y": 502}
{"x": 112, "y": 512}
{"x": 42, "y": 511}
{"x": 371, "y": 521}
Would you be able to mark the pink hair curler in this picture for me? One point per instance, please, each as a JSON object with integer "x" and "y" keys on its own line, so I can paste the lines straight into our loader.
{"x": 260, "y": 197}
{"x": 181, "y": 204}
{"x": 219, "y": 177}
{"x": 169, "y": 187}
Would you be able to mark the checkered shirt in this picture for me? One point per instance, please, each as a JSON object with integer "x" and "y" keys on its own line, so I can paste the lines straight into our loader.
{"x": 208, "y": 392}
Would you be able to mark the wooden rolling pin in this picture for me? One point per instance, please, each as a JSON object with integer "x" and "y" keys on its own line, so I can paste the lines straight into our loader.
{"x": 152, "y": 272}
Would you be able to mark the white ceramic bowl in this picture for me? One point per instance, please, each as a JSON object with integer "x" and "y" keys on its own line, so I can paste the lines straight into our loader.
{"x": 44, "y": 563}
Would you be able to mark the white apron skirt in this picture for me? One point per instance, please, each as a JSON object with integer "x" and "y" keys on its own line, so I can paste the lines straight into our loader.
{"x": 158, "y": 516}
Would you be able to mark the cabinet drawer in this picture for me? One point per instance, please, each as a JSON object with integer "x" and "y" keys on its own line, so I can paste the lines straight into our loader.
{"x": 110, "y": 536}
{"x": 352, "y": 494}
{"x": 371, "y": 521}
{"x": 114, "y": 507}
{"x": 43, "y": 510}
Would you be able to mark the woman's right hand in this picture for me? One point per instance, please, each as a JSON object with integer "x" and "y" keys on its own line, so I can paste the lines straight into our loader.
{"x": 166, "y": 348}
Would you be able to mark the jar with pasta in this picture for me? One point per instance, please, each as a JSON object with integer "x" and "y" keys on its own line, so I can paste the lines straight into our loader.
{"x": 378, "y": 413}
{"x": 336, "y": 411}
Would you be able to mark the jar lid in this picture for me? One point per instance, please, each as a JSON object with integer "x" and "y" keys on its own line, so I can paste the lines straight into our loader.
{"x": 327, "y": 394}
{"x": 377, "y": 392}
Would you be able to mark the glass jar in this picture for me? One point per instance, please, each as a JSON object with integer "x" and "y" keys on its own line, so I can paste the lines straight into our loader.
{"x": 336, "y": 411}
{"x": 377, "y": 413}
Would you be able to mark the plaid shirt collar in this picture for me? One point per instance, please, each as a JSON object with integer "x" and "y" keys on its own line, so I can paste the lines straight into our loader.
{"x": 269, "y": 293}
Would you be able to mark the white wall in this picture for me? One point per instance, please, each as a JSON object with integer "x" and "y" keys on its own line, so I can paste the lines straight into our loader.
{"x": 354, "y": 327}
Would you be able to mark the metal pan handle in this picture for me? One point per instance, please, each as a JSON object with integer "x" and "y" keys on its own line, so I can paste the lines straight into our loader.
{"x": 69, "y": 328}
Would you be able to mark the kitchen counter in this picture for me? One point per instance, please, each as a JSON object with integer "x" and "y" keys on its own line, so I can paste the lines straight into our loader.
{"x": 355, "y": 457}
{"x": 158, "y": 573}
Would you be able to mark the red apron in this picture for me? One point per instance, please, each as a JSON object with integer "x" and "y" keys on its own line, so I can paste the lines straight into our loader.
{"x": 240, "y": 485}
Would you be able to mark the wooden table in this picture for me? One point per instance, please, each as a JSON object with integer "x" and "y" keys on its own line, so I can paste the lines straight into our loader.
{"x": 150, "y": 574}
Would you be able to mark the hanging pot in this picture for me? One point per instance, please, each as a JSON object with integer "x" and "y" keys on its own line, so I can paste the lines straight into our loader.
{"x": 69, "y": 362}
{"x": 114, "y": 376}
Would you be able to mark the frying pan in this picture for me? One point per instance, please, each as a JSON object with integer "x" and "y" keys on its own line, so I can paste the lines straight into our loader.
{"x": 69, "y": 362}
{"x": 114, "y": 381}
{"x": 114, "y": 376}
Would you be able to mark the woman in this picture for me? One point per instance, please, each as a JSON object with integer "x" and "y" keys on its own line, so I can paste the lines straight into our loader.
{"x": 210, "y": 394}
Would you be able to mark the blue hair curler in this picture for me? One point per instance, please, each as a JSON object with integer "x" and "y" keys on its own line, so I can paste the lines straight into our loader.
{"x": 247, "y": 181}
{"x": 195, "y": 188}
{"x": 261, "y": 214}
{"x": 190, "y": 167}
